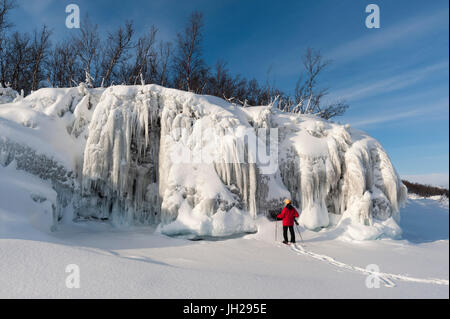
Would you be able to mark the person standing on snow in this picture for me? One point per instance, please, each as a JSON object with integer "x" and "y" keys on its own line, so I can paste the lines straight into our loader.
{"x": 288, "y": 215}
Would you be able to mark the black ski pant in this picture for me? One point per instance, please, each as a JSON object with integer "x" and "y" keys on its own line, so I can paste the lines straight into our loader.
{"x": 291, "y": 230}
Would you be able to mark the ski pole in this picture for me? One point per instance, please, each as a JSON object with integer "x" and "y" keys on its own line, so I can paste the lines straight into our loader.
{"x": 298, "y": 231}
{"x": 301, "y": 238}
{"x": 276, "y": 227}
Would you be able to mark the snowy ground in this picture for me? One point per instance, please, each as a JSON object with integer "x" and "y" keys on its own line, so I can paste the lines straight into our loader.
{"x": 139, "y": 263}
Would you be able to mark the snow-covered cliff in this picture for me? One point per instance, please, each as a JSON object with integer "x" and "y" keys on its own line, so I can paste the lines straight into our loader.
{"x": 195, "y": 164}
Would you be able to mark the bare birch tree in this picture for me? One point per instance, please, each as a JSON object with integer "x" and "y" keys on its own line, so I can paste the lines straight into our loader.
{"x": 309, "y": 96}
{"x": 39, "y": 53}
{"x": 5, "y": 7}
{"x": 189, "y": 68}
{"x": 87, "y": 43}
{"x": 145, "y": 56}
{"x": 117, "y": 46}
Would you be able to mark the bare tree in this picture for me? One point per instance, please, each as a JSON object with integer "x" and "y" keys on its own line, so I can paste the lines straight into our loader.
{"x": 118, "y": 44}
{"x": 39, "y": 53}
{"x": 25, "y": 62}
{"x": 145, "y": 57}
{"x": 5, "y": 7}
{"x": 18, "y": 58}
{"x": 64, "y": 69}
{"x": 253, "y": 92}
{"x": 223, "y": 84}
{"x": 162, "y": 63}
{"x": 87, "y": 43}
{"x": 220, "y": 80}
{"x": 189, "y": 67}
{"x": 333, "y": 109}
{"x": 308, "y": 96}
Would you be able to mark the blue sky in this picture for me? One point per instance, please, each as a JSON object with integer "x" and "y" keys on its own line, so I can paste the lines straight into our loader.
{"x": 395, "y": 78}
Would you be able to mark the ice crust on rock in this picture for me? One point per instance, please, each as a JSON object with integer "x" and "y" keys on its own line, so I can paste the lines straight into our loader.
{"x": 192, "y": 164}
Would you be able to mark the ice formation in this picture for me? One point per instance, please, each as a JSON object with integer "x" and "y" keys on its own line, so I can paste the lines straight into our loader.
{"x": 198, "y": 165}
{"x": 7, "y": 95}
{"x": 120, "y": 171}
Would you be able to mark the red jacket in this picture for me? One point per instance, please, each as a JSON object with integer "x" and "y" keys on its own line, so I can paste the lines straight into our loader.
{"x": 288, "y": 215}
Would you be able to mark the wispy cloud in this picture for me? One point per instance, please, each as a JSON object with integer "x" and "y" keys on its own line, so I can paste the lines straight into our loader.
{"x": 388, "y": 36}
{"x": 390, "y": 84}
{"x": 427, "y": 110}
{"x": 387, "y": 117}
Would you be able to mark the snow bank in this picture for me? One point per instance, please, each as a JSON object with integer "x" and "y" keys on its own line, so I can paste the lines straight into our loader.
{"x": 441, "y": 199}
{"x": 198, "y": 165}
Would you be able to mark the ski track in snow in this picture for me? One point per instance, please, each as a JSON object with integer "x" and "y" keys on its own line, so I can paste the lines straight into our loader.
{"x": 386, "y": 278}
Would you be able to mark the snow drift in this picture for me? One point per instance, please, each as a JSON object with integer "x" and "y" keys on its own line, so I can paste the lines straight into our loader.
{"x": 197, "y": 165}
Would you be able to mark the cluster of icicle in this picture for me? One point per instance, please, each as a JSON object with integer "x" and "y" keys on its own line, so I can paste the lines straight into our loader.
{"x": 141, "y": 166}
{"x": 353, "y": 177}
{"x": 120, "y": 169}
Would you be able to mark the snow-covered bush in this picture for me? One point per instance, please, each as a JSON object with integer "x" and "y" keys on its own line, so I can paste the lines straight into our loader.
{"x": 7, "y": 95}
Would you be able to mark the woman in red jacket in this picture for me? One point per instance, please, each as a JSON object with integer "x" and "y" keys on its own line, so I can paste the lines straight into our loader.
{"x": 288, "y": 215}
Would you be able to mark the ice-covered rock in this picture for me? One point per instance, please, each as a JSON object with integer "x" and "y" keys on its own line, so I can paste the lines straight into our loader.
{"x": 199, "y": 165}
